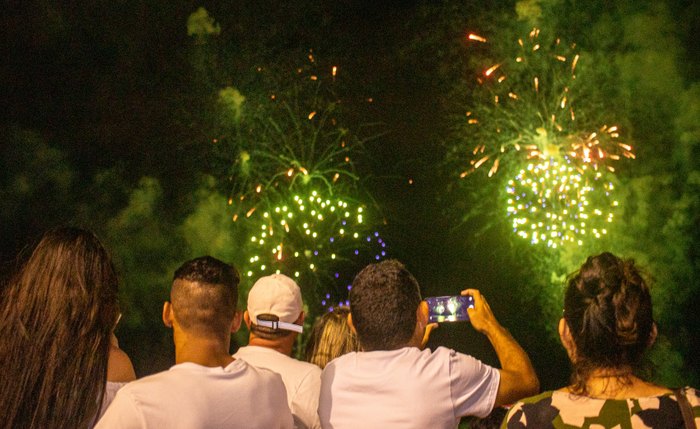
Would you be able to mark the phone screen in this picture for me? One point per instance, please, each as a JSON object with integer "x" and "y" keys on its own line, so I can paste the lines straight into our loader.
{"x": 449, "y": 308}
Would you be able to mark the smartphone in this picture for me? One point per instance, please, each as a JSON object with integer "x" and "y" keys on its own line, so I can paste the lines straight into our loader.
{"x": 449, "y": 308}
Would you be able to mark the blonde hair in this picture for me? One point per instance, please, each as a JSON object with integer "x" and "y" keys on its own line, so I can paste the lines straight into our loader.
{"x": 331, "y": 337}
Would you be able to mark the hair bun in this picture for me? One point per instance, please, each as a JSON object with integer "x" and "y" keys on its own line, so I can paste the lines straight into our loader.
{"x": 608, "y": 310}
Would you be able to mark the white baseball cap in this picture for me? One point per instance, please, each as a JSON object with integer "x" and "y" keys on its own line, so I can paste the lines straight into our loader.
{"x": 278, "y": 295}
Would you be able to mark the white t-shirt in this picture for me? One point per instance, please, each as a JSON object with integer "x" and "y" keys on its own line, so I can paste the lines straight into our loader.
{"x": 302, "y": 380}
{"x": 111, "y": 390}
{"x": 405, "y": 388}
{"x": 191, "y": 396}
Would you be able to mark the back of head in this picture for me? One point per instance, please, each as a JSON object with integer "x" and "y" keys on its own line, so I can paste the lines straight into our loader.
{"x": 204, "y": 297}
{"x": 56, "y": 318}
{"x": 383, "y": 302}
{"x": 607, "y": 307}
{"x": 331, "y": 337}
{"x": 275, "y": 299}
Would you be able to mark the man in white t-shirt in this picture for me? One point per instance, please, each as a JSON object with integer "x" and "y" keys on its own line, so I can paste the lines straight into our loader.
{"x": 207, "y": 388}
{"x": 392, "y": 383}
{"x": 275, "y": 318}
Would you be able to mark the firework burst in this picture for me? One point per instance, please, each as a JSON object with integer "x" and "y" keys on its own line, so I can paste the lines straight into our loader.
{"x": 530, "y": 119}
{"x": 315, "y": 236}
{"x": 554, "y": 204}
{"x": 294, "y": 188}
{"x": 287, "y": 139}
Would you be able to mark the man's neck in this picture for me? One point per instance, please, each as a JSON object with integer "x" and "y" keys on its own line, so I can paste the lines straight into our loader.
{"x": 282, "y": 345}
{"x": 202, "y": 351}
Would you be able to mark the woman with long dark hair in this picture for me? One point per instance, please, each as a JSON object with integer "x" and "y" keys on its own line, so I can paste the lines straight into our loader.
{"x": 57, "y": 317}
{"x": 606, "y": 328}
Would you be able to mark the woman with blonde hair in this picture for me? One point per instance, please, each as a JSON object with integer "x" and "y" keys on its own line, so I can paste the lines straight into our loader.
{"x": 57, "y": 317}
{"x": 331, "y": 336}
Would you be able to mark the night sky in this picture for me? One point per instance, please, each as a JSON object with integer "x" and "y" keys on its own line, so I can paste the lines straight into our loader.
{"x": 97, "y": 96}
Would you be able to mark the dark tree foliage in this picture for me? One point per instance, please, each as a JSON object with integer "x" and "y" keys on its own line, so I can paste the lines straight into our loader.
{"x": 109, "y": 110}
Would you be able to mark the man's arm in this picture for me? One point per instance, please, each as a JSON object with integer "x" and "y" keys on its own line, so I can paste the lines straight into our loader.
{"x": 518, "y": 378}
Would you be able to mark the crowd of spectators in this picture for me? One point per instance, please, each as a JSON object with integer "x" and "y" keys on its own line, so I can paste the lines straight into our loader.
{"x": 366, "y": 366}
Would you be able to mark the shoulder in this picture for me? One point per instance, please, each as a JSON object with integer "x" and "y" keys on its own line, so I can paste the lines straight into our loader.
{"x": 448, "y": 355}
{"x": 337, "y": 364}
{"x": 533, "y": 411}
{"x": 119, "y": 367}
{"x": 544, "y": 397}
{"x": 261, "y": 373}
{"x": 542, "y": 400}
{"x": 345, "y": 359}
{"x": 146, "y": 383}
{"x": 310, "y": 369}
{"x": 311, "y": 376}
{"x": 134, "y": 403}
{"x": 300, "y": 365}
{"x": 242, "y": 351}
{"x": 267, "y": 382}
{"x": 693, "y": 396}
{"x": 304, "y": 376}
{"x": 287, "y": 364}
{"x": 112, "y": 387}
{"x": 466, "y": 367}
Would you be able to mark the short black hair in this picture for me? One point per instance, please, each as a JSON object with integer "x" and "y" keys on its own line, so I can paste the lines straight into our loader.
{"x": 207, "y": 269}
{"x": 204, "y": 296}
{"x": 383, "y": 303}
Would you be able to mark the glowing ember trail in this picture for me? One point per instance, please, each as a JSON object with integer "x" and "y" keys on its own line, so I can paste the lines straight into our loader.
{"x": 561, "y": 187}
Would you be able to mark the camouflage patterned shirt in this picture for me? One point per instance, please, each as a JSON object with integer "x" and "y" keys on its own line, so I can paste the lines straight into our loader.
{"x": 563, "y": 410}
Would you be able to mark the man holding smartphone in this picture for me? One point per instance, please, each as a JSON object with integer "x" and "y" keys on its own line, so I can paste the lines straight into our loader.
{"x": 392, "y": 383}
{"x": 275, "y": 317}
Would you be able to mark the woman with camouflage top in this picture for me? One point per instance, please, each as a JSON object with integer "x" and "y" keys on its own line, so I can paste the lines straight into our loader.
{"x": 606, "y": 328}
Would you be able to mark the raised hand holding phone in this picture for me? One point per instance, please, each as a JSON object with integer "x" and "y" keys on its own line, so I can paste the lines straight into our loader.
{"x": 480, "y": 314}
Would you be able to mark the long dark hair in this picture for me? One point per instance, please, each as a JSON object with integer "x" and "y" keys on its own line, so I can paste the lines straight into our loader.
{"x": 607, "y": 306}
{"x": 56, "y": 318}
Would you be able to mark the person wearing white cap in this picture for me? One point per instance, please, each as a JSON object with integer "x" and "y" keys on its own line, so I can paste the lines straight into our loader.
{"x": 275, "y": 318}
